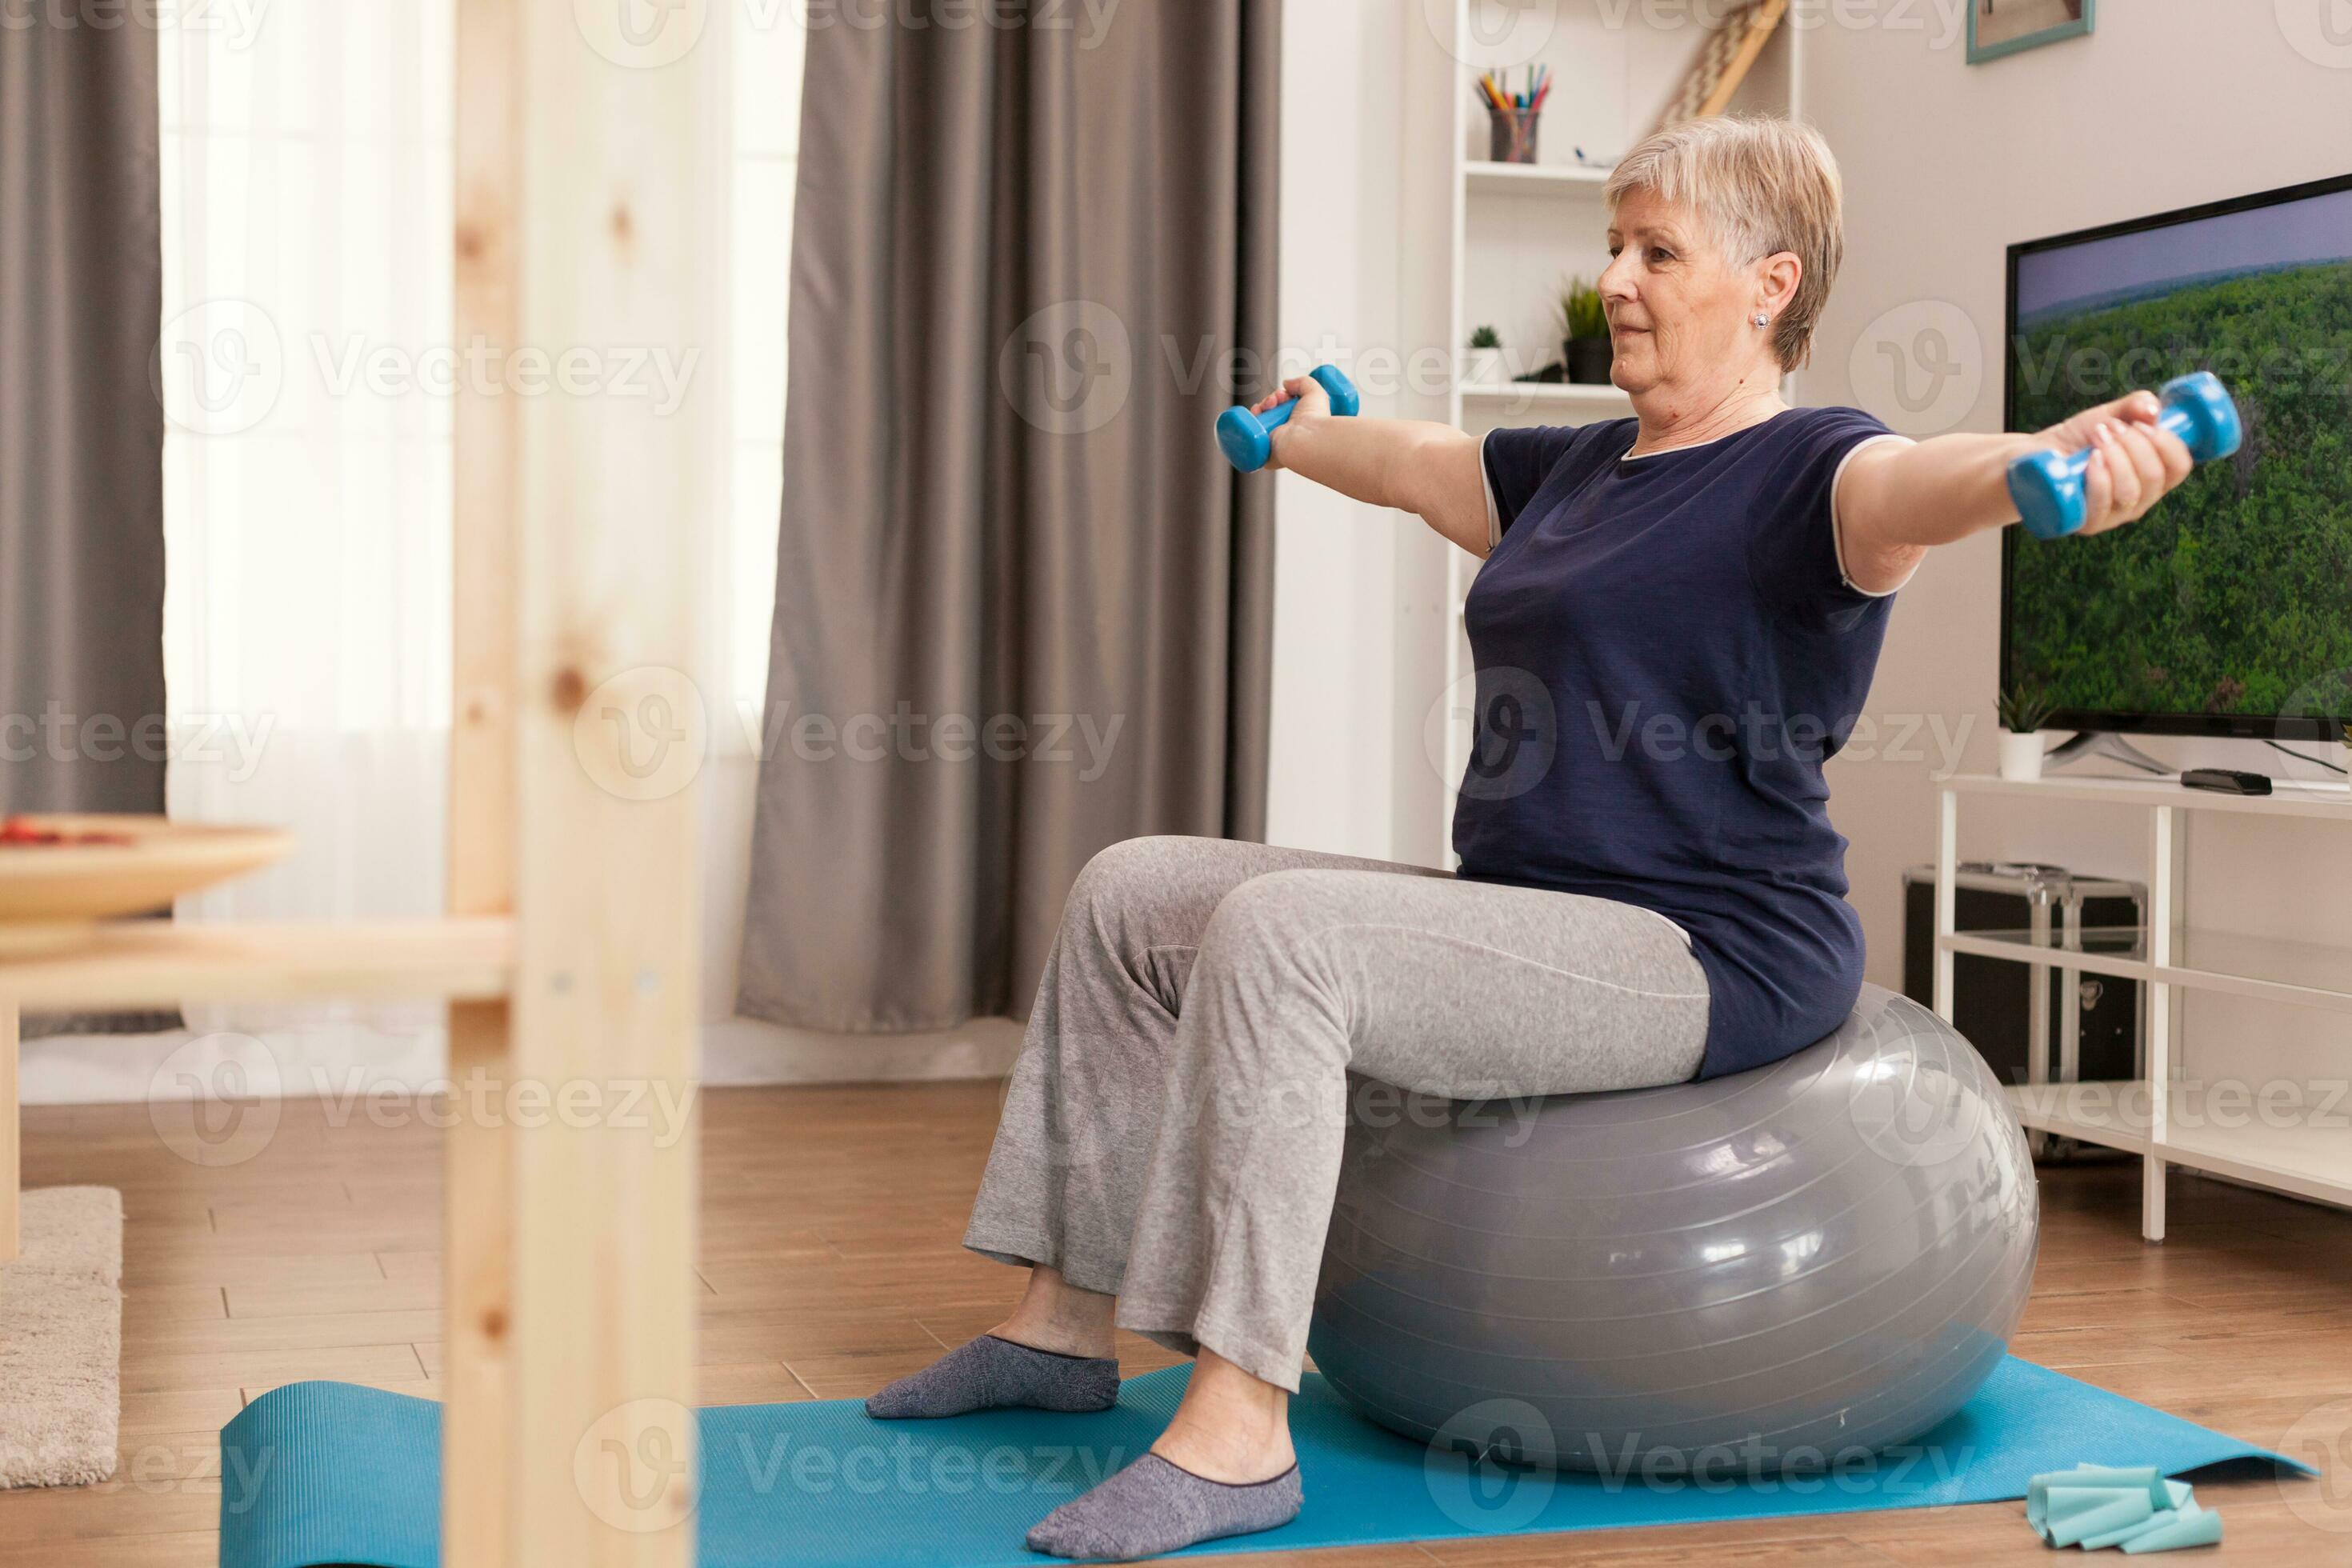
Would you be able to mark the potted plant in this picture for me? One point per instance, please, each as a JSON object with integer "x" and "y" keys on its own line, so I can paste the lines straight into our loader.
{"x": 1485, "y": 366}
{"x": 1585, "y": 323}
{"x": 2024, "y": 708}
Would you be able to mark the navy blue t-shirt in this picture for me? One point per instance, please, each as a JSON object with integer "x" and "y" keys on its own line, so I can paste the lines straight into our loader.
{"x": 1667, "y": 651}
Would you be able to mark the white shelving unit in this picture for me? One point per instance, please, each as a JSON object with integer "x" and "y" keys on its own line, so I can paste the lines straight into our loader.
{"x": 1493, "y": 179}
{"x": 1554, "y": 400}
{"x": 1520, "y": 230}
{"x": 2286, "y": 1137}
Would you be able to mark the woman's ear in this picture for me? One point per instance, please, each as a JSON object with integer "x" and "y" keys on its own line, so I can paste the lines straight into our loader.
{"x": 1778, "y": 276}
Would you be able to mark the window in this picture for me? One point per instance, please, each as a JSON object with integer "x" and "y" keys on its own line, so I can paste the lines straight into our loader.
{"x": 768, "y": 49}
{"x": 306, "y": 365}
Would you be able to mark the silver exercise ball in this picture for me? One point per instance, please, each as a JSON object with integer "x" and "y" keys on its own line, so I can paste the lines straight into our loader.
{"x": 1818, "y": 1259}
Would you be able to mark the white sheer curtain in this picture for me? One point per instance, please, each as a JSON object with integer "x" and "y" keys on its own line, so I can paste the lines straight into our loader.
{"x": 303, "y": 364}
{"x": 766, "y": 51}
{"x": 306, "y": 265}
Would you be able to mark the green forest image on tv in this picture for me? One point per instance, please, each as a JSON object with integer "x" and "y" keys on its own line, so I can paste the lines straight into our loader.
{"x": 2234, "y": 595}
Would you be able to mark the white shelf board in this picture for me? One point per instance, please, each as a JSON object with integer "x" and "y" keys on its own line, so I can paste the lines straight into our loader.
{"x": 2328, "y": 801}
{"x": 2305, "y": 1148}
{"x": 2017, "y": 947}
{"x": 1485, "y": 178}
{"x": 1603, "y": 400}
{"x": 2266, "y": 969}
{"x": 2112, "y": 1115}
{"x": 164, "y": 964}
{"x": 2313, "y": 1161}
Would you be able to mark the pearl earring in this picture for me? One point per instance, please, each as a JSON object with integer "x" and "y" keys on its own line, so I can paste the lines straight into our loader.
{"x": 1762, "y": 319}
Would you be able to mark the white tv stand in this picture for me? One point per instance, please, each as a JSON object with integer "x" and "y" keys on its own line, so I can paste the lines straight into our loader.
{"x": 2226, "y": 1129}
{"x": 2106, "y": 746}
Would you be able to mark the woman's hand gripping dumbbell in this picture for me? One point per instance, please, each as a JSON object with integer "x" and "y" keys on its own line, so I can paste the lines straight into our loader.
{"x": 1247, "y": 434}
{"x": 2113, "y": 462}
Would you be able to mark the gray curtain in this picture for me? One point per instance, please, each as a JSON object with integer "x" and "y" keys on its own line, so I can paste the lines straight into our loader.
{"x": 82, "y": 431}
{"x": 1024, "y": 608}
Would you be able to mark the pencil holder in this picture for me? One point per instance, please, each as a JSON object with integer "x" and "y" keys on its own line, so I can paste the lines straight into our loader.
{"x": 1512, "y": 137}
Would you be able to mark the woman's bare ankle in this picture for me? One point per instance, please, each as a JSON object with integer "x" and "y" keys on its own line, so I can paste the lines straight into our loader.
{"x": 1236, "y": 1456}
{"x": 1054, "y": 1315}
{"x": 1231, "y": 1427}
{"x": 1058, "y": 1339}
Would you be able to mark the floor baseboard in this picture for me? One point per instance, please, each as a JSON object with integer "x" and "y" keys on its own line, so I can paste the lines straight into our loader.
{"x": 742, "y": 1052}
{"x": 349, "y": 1061}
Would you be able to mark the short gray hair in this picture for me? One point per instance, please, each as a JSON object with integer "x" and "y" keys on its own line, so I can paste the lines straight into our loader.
{"x": 1760, "y": 186}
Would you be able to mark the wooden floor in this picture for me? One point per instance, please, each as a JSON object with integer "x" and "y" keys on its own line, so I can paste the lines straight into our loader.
{"x": 831, "y": 1265}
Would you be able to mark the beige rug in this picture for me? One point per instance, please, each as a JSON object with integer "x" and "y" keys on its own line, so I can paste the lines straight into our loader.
{"x": 61, "y": 1340}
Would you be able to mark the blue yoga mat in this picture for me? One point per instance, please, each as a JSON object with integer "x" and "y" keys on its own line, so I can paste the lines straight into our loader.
{"x": 322, "y": 1473}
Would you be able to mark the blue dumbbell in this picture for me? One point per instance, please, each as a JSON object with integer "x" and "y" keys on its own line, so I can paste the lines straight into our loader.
{"x": 2048, "y": 485}
{"x": 1248, "y": 438}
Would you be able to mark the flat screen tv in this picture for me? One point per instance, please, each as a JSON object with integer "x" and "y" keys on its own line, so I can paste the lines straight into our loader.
{"x": 2228, "y": 609}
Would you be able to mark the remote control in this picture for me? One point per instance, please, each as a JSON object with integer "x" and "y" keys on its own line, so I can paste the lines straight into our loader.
{"x": 2228, "y": 781}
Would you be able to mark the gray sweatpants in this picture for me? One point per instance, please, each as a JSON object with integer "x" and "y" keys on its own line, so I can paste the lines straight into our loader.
{"x": 1173, "y": 1131}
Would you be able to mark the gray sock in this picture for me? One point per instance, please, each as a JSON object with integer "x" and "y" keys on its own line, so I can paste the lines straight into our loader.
{"x": 1156, "y": 1505}
{"x": 990, "y": 1373}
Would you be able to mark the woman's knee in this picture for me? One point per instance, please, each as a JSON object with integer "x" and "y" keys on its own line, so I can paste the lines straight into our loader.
{"x": 1265, "y": 943}
{"x": 1268, "y": 1042}
{"x": 1131, "y": 898}
{"x": 1278, "y": 914}
{"x": 1130, "y": 869}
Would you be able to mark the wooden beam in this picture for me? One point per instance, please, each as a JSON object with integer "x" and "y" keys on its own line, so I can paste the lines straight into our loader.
{"x": 572, "y": 1233}
{"x": 478, "y": 1425}
{"x": 162, "y": 963}
{"x": 12, "y": 1169}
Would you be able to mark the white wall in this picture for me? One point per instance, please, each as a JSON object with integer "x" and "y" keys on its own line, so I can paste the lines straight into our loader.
{"x": 1362, "y": 615}
{"x": 1359, "y": 617}
{"x": 2170, "y": 102}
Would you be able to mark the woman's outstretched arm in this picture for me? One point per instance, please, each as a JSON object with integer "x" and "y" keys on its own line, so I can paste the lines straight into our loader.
{"x": 1894, "y": 501}
{"x": 1411, "y": 465}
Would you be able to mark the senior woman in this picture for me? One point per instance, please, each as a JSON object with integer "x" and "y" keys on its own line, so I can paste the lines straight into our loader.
{"x": 1675, "y": 628}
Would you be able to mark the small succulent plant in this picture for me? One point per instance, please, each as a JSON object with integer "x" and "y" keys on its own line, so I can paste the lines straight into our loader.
{"x": 2026, "y": 707}
{"x": 1485, "y": 338}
